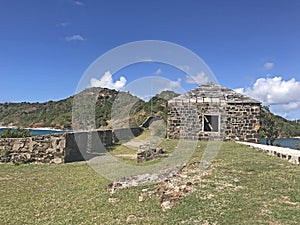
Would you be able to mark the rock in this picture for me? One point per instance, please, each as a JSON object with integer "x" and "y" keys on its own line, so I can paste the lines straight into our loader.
{"x": 141, "y": 198}
{"x": 189, "y": 183}
{"x": 57, "y": 160}
{"x": 131, "y": 218}
{"x": 166, "y": 205}
{"x": 146, "y": 153}
{"x": 113, "y": 200}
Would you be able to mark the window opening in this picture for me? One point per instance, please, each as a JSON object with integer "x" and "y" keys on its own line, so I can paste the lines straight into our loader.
{"x": 211, "y": 123}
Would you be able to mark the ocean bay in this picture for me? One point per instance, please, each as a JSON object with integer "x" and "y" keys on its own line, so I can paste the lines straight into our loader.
{"x": 38, "y": 131}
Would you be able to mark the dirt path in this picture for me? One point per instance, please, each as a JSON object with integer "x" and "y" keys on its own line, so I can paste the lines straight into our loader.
{"x": 135, "y": 143}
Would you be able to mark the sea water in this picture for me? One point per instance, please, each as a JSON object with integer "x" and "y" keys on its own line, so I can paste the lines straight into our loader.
{"x": 285, "y": 142}
{"x": 44, "y": 131}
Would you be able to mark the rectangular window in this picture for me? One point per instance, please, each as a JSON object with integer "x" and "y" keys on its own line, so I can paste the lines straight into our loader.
{"x": 211, "y": 123}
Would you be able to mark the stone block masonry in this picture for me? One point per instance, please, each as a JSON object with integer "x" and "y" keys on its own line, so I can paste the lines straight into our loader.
{"x": 58, "y": 148}
{"x": 40, "y": 149}
{"x": 213, "y": 112}
{"x": 242, "y": 122}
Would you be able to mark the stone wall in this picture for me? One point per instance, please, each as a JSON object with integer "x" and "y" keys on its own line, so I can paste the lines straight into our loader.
{"x": 60, "y": 148}
{"x": 124, "y": 134}
{"x": 235, "y": 121}
{"x": 84, "y": 145}
{"x": 40, "y": 149}
{"x": 243, "y": 122}
{"x": 183, "y": 121}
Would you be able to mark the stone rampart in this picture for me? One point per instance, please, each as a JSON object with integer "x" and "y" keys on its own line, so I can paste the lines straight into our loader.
{"x": 39, "y": 149}
{"x": 61, "y": 148}
{"x": 125, "y": 134}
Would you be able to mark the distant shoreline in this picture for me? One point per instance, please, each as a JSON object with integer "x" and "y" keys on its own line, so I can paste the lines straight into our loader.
{"x": 34, "y": 128}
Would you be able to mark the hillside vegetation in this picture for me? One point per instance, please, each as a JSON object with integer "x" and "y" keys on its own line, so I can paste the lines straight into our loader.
{"x": 277, "y": 126}
{"x": 58, "y": 114}
{"x": 122, "y": 106}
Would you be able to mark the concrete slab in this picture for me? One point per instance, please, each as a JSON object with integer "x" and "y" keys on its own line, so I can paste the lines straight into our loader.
{"x": 291, "y": 155}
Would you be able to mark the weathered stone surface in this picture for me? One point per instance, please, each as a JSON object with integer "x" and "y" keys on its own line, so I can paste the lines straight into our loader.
{"x": 32, "y": 149}
{"x": 147, "y": 152}
{"x": 58, "y": 148}
{"x": 171, "y": 185}
{"x": 238, "y": 115}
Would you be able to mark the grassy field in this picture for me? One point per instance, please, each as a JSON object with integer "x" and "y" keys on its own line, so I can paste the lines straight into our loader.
{"x": 243, "y": 186}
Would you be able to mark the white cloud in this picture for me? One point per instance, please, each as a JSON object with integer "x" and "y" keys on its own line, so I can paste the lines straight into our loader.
{"x": 291, "y": 106}
{"x": 157, "y": 86}
{"x": 240, "y": 90}
{"x": 75, "y": 37}
{"x": 106, "y": 81}
{"x": 145, "y": 59}
{"x": 78, "y": 3}
{"x": 63, "y": 24}
{"x": 269, "y": 65}
{"x": 184, "y": 68}
{"x": 158, "y": 71}
{"x": 199, "y": 78}
{"x": 175, "y": 84}
{"x": 276, "y": 92}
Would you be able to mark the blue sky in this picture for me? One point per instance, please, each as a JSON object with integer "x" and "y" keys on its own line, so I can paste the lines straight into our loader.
{"x": 252, "y": 46}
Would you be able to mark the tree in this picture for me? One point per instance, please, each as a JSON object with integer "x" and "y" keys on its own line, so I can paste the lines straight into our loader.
{"x": 268, "y": 126}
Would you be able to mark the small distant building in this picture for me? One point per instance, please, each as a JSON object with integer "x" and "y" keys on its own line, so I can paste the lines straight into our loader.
{"x": 213, "y": 112}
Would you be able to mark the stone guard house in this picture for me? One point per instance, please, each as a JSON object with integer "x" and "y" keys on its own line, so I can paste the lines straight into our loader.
{"x": 213, "y": 112}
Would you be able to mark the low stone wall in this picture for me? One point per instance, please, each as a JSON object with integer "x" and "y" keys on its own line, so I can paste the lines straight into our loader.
{"x": 124, "y": 134}
{"x": 61, "y": 148}
{"x": 291, "y": 155}
{"x": 85, "y": 145}
{"x": 39, "y": 149}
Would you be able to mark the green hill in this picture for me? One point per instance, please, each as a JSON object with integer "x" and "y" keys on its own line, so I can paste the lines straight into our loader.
{"x": 58, "y": 114}
{"x": 48, "y": 114}
{"x": 122, "y": 106}
{"x": 284, "y": 127}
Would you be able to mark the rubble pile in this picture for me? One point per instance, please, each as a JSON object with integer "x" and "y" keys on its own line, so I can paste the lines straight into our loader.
{"x": 171, "y": 185}
{"x": 147, "y": 152}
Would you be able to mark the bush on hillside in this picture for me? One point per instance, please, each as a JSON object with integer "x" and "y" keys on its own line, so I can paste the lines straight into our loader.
{"x": 15, "y": 133}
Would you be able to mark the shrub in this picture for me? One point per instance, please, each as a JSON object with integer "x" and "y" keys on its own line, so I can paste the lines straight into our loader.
{"x": 297, "y": 145}
{"x": 15, "y": 133}
{"x": 277, "y": 144}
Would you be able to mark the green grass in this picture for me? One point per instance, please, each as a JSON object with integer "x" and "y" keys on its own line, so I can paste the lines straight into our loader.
{"x": 243, "y": 186}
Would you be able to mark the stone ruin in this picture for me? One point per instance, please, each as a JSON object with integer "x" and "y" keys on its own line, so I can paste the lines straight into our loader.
{"x": 40, "y": 149}
{"x": 171, "y": 185}
{"x": 62, "y": 148}
{"x": 213, "y": 112}
{"x": 147, "y": 152}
